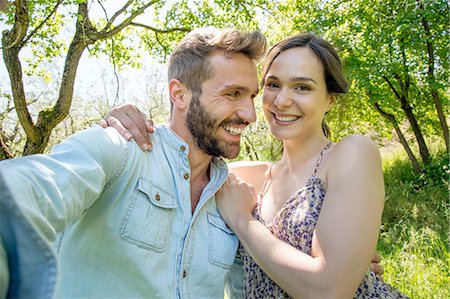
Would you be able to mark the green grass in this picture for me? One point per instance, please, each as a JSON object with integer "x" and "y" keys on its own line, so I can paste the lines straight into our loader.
{"x": 415, "y": 231}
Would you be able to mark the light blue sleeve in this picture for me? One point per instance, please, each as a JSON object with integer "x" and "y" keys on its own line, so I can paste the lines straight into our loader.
{"x": 234, "y": 282}
{"x": 27, "y": 262}
{"x": 53, "y": 190}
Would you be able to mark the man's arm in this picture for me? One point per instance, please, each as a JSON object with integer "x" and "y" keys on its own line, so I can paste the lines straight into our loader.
{"x": 53, "y": 190}
{"x": 27, "y": 262}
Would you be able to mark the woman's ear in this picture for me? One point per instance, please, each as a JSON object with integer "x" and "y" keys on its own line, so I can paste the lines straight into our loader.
{"x": 331, "y": 100}
{"x": 178, "y": 94}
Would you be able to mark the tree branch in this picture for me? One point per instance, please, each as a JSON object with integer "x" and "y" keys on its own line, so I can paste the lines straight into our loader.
{"x": 11, "y": 43}
{"x": 405, "y": 86}
{"x": 106, "y": 33}
{"x": 392, "y": 87}
{"x": 391, "y": 118}
{"x": 55, "y": 8}
{"x": 116, "y": 15}
{"x": 156, "y": 30}
{"x": 14, "y": 37}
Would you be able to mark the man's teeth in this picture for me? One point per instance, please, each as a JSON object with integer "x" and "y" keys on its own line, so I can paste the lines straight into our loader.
{"x": 234, "y": 130}
{"x": 286, "y": 118}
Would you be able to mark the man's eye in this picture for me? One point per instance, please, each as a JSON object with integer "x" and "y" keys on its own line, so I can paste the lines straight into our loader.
{"x": 233, "y": 94}
{"x": 272, "y": 85}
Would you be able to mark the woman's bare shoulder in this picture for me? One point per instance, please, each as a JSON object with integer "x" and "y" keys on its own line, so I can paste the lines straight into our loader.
{"x": 359, "y": 145}
{"x": 355, "y": 155}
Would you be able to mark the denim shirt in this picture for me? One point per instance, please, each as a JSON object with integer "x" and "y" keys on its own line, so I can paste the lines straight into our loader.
{"x": 127, "y": 227}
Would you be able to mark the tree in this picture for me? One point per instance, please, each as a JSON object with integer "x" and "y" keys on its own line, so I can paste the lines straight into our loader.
{"x": 38, "y": 26}
{"x": 393, "y": 58}
{"x": 395, "y": 55}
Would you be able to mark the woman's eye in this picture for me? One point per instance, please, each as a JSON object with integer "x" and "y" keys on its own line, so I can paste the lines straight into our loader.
{"x": 302, "y": 87}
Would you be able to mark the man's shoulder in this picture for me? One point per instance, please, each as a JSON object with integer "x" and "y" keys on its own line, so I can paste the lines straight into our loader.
{"x": 95, "y": 141}
{"x": 99, "y": 134}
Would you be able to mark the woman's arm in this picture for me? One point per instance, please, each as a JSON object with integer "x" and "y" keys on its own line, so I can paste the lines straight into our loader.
{"x": 130, "y": 122}
{"x": 251, "y": 172}
{"x": 346, "y": 233}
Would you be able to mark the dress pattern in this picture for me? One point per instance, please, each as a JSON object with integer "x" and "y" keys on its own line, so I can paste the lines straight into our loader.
{"x": 295, "y": 224}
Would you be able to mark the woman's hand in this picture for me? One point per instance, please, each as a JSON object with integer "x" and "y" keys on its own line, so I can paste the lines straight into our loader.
{"x": 130, "y": 122}
{"x": 376, "y": 267}
{"x": 235, "y": 200}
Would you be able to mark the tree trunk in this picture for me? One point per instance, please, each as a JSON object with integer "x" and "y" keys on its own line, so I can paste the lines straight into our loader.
{"x": 5, "y": 152}
{"x": 38, "y": 134}
{"x": 49, "y": 118}
{"x": 406, "y": 107}
{"x": 12, "y": 44}
{"x": 432, "y": 79}
{"x": 393, "y": 121}
{"x": 252, "y": 153}
{"x": 423, "y": 149}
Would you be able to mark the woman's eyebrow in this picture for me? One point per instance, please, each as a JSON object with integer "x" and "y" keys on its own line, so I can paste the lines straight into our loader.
{"x": 296, "y": 79}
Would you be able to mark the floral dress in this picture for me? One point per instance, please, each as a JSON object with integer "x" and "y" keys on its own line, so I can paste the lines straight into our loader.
{"x": 295, "y": 224}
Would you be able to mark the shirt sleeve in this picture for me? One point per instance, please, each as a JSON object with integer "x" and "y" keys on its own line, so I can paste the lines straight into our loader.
{"x": 234, "y": 282}
{"x": 27, "y": 262}
{"x": 53, "y": 190}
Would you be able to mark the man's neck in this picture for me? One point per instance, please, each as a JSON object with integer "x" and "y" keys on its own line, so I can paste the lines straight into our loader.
{"x": 199, "y": 163}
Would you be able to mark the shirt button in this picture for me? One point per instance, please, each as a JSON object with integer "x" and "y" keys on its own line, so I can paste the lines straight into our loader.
{"x": 182, "y": 148}
{"x": 157, "y": 197}
{"x": 184, "y": 274}
{"x": 186, "y": 176}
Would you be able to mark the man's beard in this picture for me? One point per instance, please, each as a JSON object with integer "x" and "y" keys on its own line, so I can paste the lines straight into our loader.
{"x": 203, "y": 128}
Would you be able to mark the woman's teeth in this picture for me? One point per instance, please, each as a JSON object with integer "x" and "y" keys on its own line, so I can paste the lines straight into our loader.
{"x": 286, "y": 118}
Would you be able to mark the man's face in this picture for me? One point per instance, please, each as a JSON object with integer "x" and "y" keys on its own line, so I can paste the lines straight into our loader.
{"x": 217, "y": 118}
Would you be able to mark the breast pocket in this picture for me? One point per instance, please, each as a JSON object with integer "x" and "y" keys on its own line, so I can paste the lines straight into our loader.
{"x": 149, "y": 217}
{"x": 223, "y": 242}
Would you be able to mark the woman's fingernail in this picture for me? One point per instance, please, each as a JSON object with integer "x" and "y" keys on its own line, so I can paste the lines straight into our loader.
{"x": 145, "y": 147}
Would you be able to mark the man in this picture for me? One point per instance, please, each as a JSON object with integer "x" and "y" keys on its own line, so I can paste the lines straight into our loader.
{"x": 141, "y": 224}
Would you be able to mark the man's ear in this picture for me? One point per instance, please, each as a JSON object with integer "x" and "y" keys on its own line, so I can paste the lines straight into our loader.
{"x": 179, "y": 94}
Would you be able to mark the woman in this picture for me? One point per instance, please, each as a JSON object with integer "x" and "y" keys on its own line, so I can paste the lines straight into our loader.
{"x": 318, "y": 212}
{"x": 313, "y": 228}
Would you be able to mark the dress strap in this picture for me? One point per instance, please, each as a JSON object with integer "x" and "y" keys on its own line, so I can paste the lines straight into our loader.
{"x": 320, "y": 157}
{"x": 266, "y": 184}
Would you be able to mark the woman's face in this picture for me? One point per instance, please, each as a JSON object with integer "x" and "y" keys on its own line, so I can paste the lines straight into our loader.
{"x": 295, "y": 96}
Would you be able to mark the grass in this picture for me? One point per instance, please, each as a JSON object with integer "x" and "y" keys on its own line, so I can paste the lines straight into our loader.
{"x": 414, "y": 236}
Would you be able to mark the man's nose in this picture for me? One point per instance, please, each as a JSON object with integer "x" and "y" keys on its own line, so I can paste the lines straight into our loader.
{"x": 247, "y": 110}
